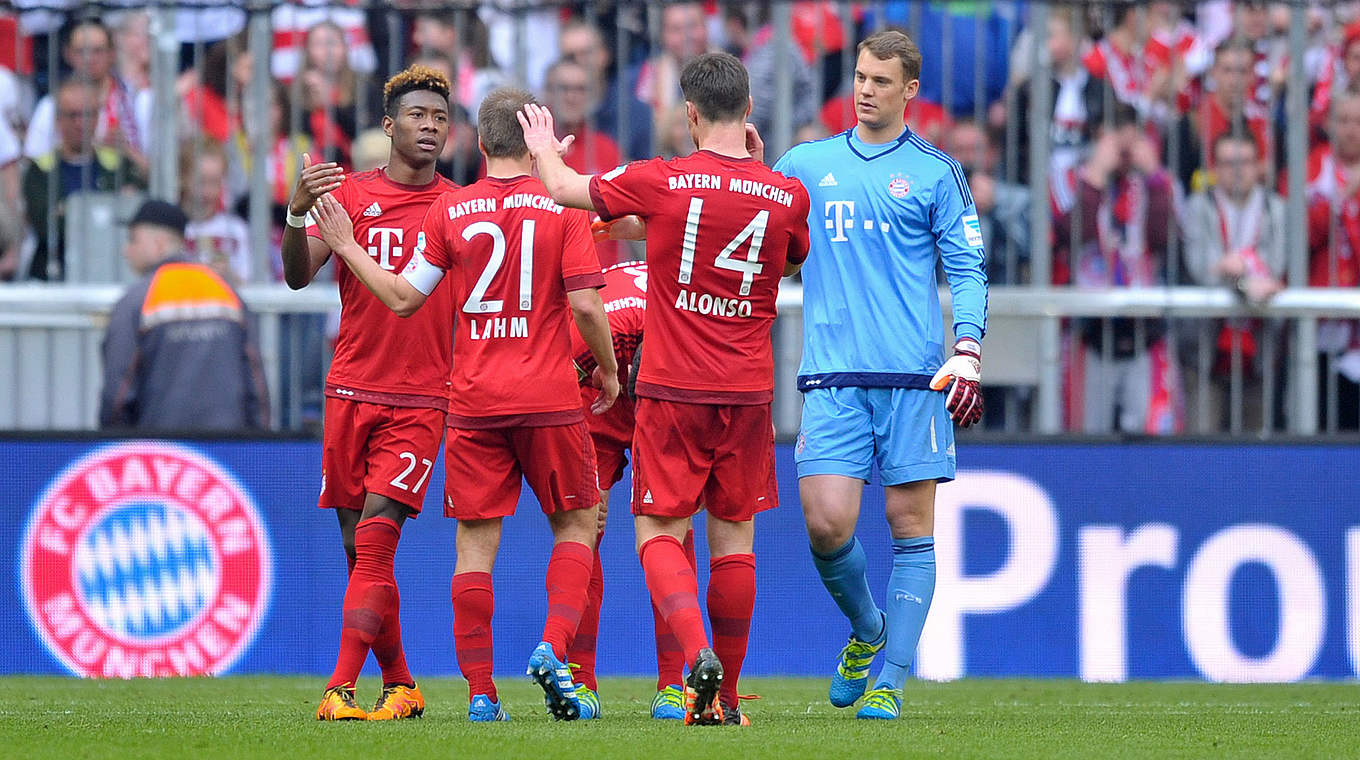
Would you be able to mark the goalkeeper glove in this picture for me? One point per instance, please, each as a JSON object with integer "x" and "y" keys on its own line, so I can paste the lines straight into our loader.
{"x": 962, "y": 376}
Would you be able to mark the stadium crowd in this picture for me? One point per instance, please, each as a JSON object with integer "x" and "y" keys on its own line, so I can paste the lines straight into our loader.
{"x": 1167, "y": 152}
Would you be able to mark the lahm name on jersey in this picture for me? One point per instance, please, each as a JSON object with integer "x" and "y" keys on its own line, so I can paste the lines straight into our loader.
{"x": 734, "y": 185}
{"x": 711, "y": 305}
{"x": 491, "y": 205}
{"x": 498, "y": 327}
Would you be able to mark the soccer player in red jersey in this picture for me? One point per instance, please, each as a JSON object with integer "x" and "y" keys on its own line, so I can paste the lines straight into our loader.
{"x": 612, "y": 433}
{"x": 721, "y": 229}
{"x": 387, "y": 390}
{"x": 519, "y": 265}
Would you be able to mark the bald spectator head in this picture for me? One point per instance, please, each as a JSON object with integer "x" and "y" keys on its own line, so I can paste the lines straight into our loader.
{"x": 1344, "y": 129}
{"x": 77, "y": 108}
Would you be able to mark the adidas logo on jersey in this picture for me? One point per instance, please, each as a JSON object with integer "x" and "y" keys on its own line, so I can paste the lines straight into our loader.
{"x": 827, "y": 181}
{"x": 647, "y": 497}
{"x": 373, "y": 209}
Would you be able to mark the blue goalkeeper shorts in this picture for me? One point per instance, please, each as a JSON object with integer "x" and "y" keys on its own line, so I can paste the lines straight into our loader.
{"x": 905, "y": 431}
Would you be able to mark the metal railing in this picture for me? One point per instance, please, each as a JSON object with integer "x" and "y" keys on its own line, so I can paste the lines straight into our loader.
{"x": 50, "y": 336}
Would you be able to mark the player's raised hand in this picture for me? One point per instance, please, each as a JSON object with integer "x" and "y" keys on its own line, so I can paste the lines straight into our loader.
{"x": 962, "y": 376}
{"x": 337, "y": 229}
{"x": 314, "y": 181}
{"x": 539, "y": 137}
{"x": 754, "y": 145}
{"x": 608, "y": 383}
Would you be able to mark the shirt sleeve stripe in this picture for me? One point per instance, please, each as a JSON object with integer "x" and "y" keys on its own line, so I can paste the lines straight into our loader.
{"x": 954, "y": 167}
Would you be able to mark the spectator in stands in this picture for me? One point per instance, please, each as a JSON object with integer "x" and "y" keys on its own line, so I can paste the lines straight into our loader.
{"x": 583, "y": 43}
{"x": 178, "y": 353}
{"x": 285, "y": 155}
{"x": 132, "y": 45}
{"x": 293, "y": 24}
{"x": 338, "y": 101}
{"x": 76, "y": 164}
{"x": 460, "y": 38}
{"x": 1118, "y": 58}
{"x": 760, "y": 60}
{"x": 1341, "y": 71}
{"x": 204, "y": 90}
{"x": 684, "y": 34}
{"x": 1224, "y": 105}
{"x": 1003, "y": 207}
{"x": 1078, "y": 100}
{"x": 214, "y": 236}
{"x": 568, "y": 94}
{"x": 1234, "y": 237}
{"x": 673, "y": 137}
{"x": 123, "y": 116}
{"x": 1123, "y": 378}
{"x": 1334, "y": 255}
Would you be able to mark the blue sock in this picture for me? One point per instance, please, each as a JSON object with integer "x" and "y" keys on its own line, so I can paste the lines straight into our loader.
{"x": 910, "y": 589}
{"x": 842, "y": 573}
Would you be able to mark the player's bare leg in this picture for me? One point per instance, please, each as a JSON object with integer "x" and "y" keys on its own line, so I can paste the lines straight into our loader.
{"x": 348, "y": 519}
{"x": 674, "y": 590}
{"x": 831, "y": 505}
{"x": 473, "y": 604}
{"x": 910, "y": 510}
{"x": 731, "y": 601}
{"x": 371, "y": 605}
{"x": 567, "y": 581}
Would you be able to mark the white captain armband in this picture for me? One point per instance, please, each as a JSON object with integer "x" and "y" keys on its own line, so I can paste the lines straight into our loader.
{"x": 422, "y": 275}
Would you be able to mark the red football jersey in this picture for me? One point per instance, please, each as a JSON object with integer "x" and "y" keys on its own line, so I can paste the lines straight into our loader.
{"x": 625, "y": 302}
{"x": 719, "y": 231}
{"x": 380, "y": 357}
{"x": 511, "y": 254}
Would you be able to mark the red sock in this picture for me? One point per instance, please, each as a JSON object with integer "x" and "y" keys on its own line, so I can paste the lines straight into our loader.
{"x": 674, "y": 591}
{"x": 731, "y": 599}
{"x": 368, "y": 598}
{"x": 387, "y": 646}
{"x": 568, "y": 583}
{"x": 670, "y": 659}
{"x": 582, "y": 649}
{"x": 473, "y": 603}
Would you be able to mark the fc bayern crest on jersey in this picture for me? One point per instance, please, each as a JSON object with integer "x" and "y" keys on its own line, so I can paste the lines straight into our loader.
{"x": 899, "y": 186}
{"x": 145, "y": 559}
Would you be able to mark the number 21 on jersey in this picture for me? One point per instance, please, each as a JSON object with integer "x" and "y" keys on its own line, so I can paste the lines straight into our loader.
{"x": 477, "y": 302}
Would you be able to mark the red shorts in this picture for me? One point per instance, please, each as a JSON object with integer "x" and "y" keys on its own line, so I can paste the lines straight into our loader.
{"x": 687, "y": 456}
{"x": 372, "y": 448}
{"x": 612, "y": 433}
{"x": 483, "y": 468}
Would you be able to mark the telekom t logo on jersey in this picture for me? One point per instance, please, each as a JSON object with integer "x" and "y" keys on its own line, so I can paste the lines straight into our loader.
{"x": 840, "y": 217}
{"x": 388, "y": 245}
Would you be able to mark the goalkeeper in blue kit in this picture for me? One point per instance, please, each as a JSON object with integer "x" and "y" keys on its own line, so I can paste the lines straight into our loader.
{"x": 886, "y": 207}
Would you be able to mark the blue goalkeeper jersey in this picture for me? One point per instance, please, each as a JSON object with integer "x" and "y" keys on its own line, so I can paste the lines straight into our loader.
{"x": 879, "y": 215}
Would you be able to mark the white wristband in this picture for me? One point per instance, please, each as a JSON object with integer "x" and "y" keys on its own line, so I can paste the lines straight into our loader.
{"x": 296, "y": 220}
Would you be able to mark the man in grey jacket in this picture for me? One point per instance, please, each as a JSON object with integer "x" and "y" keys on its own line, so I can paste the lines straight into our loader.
{"x": 1234, "y": 237}
{"x": 178, "y": 354}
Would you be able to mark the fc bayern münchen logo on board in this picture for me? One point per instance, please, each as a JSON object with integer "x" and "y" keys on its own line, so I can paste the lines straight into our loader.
{"x": 145, "y": 559}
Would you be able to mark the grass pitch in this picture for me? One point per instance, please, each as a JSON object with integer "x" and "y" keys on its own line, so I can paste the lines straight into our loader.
{"x": 272, "y": 717}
